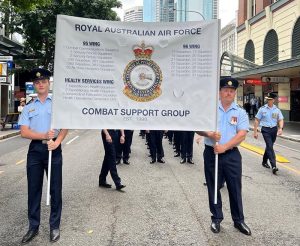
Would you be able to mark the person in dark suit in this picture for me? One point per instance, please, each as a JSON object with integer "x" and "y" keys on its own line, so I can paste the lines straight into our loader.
{"x": 110, "y": 139}
{"x": 35, "y": 123}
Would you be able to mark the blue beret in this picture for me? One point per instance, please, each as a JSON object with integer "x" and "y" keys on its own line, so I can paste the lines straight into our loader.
{"x": 270, "y": 96}
{"x": 40, "y": 73}
{"x": 229, "y": 82}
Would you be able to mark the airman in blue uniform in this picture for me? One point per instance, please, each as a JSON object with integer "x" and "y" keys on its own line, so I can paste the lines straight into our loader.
{"x": 270, "y": 118}
{"x": 233, "y": 125}
{"x": 35, "y": 123}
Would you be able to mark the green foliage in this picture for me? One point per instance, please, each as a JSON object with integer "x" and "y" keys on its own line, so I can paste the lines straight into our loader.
{"x": 38, "y": 22}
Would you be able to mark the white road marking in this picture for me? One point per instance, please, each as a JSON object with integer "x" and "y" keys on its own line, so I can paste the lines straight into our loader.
{"x": 287, "y": 147}
{"x": 72, "y": 140}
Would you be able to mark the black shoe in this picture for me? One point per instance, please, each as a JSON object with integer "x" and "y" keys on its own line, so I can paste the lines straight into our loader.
{"x": 152, "y": 161}
{"x": 54, "y": 235}
{"x": 29, "y": 236}
{"x": 215, "y": 227}
{"x": 183, "y": 160}
{"x": 243, "y": 228}
{"x": 176, "y": 155}
{"x": 266, "y": 165}
{"x": 118, "y": 162}
{"x": 120, "y": 187}
{"x": 161, "y": 160}
{"x": 104, "y": 184}
{"x": 126, "y": 162}
{"x": 190, "y": 160}
{"x": 274, "y": 170}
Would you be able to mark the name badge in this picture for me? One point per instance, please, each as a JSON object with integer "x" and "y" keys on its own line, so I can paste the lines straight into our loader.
{"x": 233, "y": 120}
{"x": 31, "y": 110}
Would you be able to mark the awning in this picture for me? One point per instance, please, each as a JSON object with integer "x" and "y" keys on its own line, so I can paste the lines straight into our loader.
{"x": 231, "y": 63}
{"x": 286, "y": 68}
{"x": 9, "y": 47}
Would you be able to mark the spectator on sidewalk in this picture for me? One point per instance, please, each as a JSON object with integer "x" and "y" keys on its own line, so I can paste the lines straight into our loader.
{"x": 22, "y": 104}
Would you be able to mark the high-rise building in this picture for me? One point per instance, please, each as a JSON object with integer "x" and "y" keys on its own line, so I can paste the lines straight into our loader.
{"x": 149, "y": 10}
{"x": 158, "y": 11}
{"x": 134, "y": 14}
{"x": 166, "y": 11}
{"x": 193, "y": 10}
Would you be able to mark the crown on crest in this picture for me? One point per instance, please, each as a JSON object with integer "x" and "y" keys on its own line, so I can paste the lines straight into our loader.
{"x": 143, "y": 52}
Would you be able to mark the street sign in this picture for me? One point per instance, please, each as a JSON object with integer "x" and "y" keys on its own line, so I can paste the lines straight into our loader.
{"x": 6, "y": 58}
{"x": 2, "y": 79}
{"x": 275, "y": 79}
{"x": 255, "y": 82}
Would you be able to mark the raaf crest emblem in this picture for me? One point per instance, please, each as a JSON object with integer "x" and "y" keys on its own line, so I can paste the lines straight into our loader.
{"x": 142, "y": 77}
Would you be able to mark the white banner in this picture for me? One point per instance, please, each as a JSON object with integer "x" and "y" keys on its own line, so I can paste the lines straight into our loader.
{"x": 126, "y": 75}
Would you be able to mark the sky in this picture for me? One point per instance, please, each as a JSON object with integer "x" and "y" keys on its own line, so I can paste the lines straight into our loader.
{"x": 227, "y": 9}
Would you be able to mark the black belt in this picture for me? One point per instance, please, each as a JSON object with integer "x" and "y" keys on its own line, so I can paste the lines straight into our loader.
{"x": 227, "y": 151}
{"x": 269, "y": 127}
{"x": 44, "y": 141}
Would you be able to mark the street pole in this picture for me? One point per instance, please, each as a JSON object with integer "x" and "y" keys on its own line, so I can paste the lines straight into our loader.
{"x": 191, "y": 11}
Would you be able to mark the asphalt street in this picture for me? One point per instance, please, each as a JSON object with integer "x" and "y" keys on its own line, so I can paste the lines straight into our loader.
{"x": 162, "y": 204}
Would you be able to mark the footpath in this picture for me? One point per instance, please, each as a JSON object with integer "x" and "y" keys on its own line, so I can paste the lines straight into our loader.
{"x": 291, "y": 131}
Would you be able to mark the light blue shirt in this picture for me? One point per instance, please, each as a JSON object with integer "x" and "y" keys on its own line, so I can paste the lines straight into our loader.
{"x": 37, "y": 115}
{"x": 269, "y": 117}
{"x": 229, "y": 123}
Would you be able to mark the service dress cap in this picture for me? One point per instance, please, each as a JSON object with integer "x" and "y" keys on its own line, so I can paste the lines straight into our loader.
{"x": 40, "y": 73}
{"x": 271, "y": 96}
{"x": 229, "y": 82}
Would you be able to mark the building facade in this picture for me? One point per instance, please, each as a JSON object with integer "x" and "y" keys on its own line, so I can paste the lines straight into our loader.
{"x": 268, "y": 34}
{"x": 134, "y": 14}
{"x": 228, "y": 46}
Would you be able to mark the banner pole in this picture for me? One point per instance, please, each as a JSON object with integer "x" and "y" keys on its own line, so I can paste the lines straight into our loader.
{"x": 216, "y": 178}
{"x": 216, "y": 123}
{"x": 49, "y": 177}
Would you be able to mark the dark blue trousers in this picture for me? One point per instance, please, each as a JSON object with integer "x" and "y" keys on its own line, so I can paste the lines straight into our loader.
{"x": 155, "y": 144}
{"x": 123, "y": 150}
{"x": 37, "y": 164}
{"x": 230, "y": 169}
{"x": 269, "y": 135}
{"x": 177, "y": 140}
{"x": 187, "y": 143}
{"x": 109, "y": 162}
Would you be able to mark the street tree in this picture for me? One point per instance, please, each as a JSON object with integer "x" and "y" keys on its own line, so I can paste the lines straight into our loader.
{"x": 38, "y": 23}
